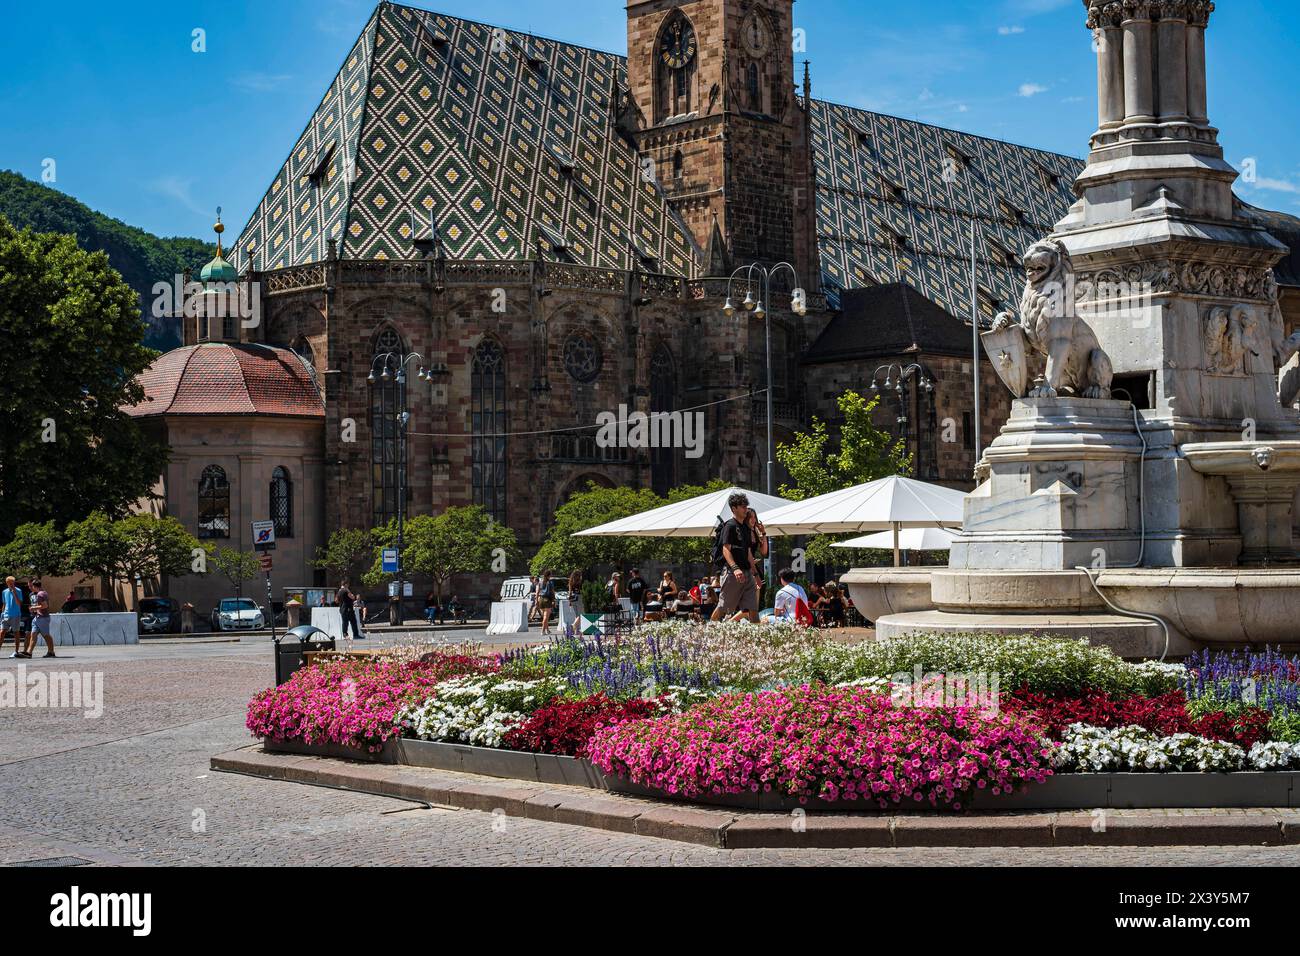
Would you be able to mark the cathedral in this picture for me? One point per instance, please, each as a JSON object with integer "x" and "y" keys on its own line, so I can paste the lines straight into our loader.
{"x": 482, "y": 240}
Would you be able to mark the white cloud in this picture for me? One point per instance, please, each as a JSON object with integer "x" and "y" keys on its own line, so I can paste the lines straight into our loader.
{"x": 1032, "y": 89}
{"x": 1010, "y": 31}
{"x": 180, "y": 189}
{"x": 926, "y": 95}
{"x": 260, "y": 82}
{"x": 1277, "y": 185}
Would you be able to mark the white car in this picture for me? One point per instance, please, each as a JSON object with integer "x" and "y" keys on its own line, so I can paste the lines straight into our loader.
{"x": 237, "y": 614}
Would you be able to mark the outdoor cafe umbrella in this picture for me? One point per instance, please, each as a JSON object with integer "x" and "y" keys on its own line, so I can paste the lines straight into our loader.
{"x": 692, "y": 518}
{"x": 887, "y": 504}
{"x": 909, "y": 539}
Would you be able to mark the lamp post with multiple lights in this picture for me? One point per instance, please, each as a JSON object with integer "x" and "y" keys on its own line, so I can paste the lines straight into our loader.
{"x": 760, "y": 276}
{"x": 394, "y": 360}
{"x": 905, "y": 372}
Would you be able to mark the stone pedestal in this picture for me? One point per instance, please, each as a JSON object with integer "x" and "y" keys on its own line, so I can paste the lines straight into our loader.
{"x": 1062, "y": 490}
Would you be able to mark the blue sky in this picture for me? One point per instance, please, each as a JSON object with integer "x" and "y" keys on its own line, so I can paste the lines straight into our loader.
{"x": 144, "y": 129}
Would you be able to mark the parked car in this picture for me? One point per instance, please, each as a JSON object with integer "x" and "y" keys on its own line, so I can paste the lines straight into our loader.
{"x": 159, "y": 615}
{"x": 87, "y": 606}
{"x": 237, "y": 614}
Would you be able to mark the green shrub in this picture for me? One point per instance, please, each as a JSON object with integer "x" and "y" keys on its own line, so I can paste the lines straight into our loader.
{"x": 1054, "y": 666}
{"x": 1285, "y": 726}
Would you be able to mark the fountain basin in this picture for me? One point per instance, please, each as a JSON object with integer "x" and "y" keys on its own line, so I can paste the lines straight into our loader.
{"x": 1262, "y": 478}
{"x": 877, "y": 592}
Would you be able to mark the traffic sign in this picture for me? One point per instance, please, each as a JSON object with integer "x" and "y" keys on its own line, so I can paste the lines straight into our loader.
{"x": 389, "y": 561}
{"x": 264, "y": 535}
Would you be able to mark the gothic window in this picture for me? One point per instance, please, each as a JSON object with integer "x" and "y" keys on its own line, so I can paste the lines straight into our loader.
{"x": 678, "y": 163}
{"x": 282, "y": 503}
{"x": 488, "y": 428}
{"x": 582, "y": 357}
{"x": 387, "y": 451}
{"x": 663, "y": 392}
{"x": 214, "y": 503}
{"x": 676, "y": 66}
{"x": 755, "y": 93}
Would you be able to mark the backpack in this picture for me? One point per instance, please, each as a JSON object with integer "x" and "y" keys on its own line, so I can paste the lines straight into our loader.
{"x": 716, "y": 556}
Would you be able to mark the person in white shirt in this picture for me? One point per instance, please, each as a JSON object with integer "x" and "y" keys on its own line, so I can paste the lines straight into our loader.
{"x": 788, "y": 597}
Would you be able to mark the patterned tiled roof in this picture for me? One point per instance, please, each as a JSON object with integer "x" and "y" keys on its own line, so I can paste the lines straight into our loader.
{"x": 507, "y": 140}
{"x": 896, "y": 199}
{"x": 225, "y": 379}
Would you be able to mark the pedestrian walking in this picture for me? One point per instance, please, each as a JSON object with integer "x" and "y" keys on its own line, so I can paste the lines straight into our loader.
{"x": 11, "y": 617}
{"x": 546, "y": 600}
{"x": 40, "y": 604}
{"x": 733, "y": 553}
{"x": 347, "y": 601}
{"x": 636, "y": 593}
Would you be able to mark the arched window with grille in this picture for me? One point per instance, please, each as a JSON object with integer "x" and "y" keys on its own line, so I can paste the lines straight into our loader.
{"x": 282, "y": 503}
{"x": 214, "y": 503}
{"x": 387, "y": 400}
{"x": 663, "y": 392}
{"x": 488, "y": 428}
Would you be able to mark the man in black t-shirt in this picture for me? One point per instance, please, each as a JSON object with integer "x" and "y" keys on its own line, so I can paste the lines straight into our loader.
{"x": 636, "y": 592}
{"x": 347, "y": 602}
{"x": 737, "y": 563}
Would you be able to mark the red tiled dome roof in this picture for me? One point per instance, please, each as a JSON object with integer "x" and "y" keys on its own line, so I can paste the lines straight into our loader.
{"x": 217, "y": 378}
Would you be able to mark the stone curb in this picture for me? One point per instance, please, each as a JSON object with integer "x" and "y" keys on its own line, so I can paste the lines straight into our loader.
{"x": 737, "y": 829}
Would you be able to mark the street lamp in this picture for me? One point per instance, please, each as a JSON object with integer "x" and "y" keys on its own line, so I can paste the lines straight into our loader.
{"x": 762, "y": 276}
{"x": 905, "y": 372}
{"x": 403, "y": 418}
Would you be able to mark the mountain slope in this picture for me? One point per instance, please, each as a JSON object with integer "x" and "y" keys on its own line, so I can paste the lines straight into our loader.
{"x": 141, "y": 257}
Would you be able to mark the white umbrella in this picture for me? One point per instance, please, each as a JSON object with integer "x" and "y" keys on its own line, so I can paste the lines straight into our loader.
{"x": 909, "y": 539}
{"x": 692, "y": 518}
{"x": 892, "y": 503}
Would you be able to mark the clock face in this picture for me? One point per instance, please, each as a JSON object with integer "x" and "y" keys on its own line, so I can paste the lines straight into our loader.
{"x": 756, "y": 35}
{"x": 678, "y": 45}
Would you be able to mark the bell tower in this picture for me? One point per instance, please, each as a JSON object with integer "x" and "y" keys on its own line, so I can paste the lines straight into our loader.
{"x": 718, "y": 123}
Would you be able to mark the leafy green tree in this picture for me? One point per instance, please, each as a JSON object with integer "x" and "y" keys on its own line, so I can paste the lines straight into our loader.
{"x": 346, "y": 555}
{"x": 463, "y": 540}
{"x": 130, "y": 549}
{"x": 234, "y": 565}
{"x": 563, "y": 553}
{"x": 73, "y": 331}
{"x": 39, "y": 549}
{"x": 817, "y": 467}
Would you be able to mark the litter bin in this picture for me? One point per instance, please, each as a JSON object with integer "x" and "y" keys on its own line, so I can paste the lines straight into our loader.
{"x": 296, "y": 642}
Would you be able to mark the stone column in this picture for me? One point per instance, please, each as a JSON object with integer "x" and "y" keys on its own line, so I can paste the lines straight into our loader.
{"x": 1171, "y": 37}
{"x": 1104, "y": 20}
{"x": 1198, "y": 18}
{"x": 1139, "y": 66}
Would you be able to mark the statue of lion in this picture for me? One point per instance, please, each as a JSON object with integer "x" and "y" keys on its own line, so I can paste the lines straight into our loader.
{"x": 1075, "y": 362}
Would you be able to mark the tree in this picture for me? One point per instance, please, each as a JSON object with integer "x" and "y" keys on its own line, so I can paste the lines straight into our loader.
{"x": 459, "y": 541}
{"x": 131, "y": 549}
{"x": 864, "y": 453}
{"x": 73, "y": 331}
{"x": 563, "y": 553}
{"x": 235, "y": 566}
{"x": 346, "y": 555}
{"x": 35, "y": 549}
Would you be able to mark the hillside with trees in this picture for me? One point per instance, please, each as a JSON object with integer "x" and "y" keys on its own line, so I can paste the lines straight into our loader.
{"x": 141, "y": 257}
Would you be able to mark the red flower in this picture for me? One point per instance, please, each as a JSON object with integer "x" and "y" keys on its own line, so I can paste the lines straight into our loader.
{"x": 565, "y": 726}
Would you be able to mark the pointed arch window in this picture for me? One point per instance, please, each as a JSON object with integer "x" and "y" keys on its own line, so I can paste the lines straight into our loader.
{"x": 663, "y": 393}
{"x": 282, "y": 502}
{"x": 488, "y": 428}
{"x": 214, "y": 503}
{"x": 387, "y": 454}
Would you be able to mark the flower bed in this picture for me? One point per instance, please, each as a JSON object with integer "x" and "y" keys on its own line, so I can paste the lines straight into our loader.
{"x": 700, "y": 711}
{"x": 832, "y": 743}
{"x": 351, "y": 703}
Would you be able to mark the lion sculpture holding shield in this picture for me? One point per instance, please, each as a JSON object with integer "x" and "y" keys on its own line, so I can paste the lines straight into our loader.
{"x": 1076, "y": 363}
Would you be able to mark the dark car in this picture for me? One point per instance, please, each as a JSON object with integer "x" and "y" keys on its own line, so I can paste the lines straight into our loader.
{"x": 159, "y": 615}
{"x": 87, "y": 606}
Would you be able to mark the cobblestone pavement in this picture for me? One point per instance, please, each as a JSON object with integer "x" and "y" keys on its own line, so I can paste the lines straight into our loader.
{"x": 133, "y": 786}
